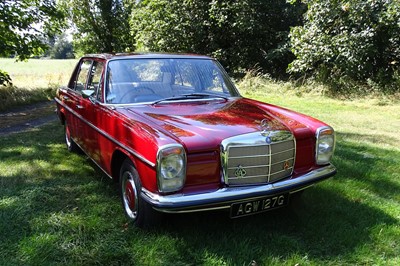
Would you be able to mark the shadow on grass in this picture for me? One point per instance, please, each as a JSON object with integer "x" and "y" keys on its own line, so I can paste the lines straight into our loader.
{"x": 55, "y": 207}
{"x": 324, "y": 227}
{"x": 45, "y": 194}
{"x": 332, "y": 222}
{"x": 371, "y": 167}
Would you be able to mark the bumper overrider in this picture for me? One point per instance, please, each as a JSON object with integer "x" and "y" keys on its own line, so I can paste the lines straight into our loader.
{"x": 223, "y": 198}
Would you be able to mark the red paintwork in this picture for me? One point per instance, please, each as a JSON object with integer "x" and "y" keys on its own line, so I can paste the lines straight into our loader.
{"x": 199, "y": 126}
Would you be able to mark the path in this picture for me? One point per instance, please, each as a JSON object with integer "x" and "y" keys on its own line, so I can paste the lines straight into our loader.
{"x": 26, "y": 117}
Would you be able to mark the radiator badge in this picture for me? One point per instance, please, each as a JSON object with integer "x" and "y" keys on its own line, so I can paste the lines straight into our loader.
{"x": 286, "y": 165}
{"x": 266, "y": 130}
{"x": 240, "y": 172}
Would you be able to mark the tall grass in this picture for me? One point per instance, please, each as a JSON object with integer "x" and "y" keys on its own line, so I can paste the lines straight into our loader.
{"x": 33, "y": 81}
{"x": 256, "y": 84}
{"x": 38, "y": 73}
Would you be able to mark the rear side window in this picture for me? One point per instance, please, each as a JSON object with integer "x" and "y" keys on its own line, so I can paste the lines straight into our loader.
{"x": 81, "y": 80}
{"x": 95, "y": 79}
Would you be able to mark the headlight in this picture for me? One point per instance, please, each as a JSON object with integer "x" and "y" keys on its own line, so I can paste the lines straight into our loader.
{"x": 325, "y": 145}
{"x": 171, "y": 168}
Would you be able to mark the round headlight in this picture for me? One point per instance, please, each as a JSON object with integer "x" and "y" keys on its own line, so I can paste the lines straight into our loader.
{"x": 171, "y": 168}
{"x": 325, "y": 145}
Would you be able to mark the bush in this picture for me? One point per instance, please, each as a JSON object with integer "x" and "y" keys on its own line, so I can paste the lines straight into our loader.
{"x": 241, "y": 34}
{"x": 349, "y": 43}
{"x": 5, "y": 79}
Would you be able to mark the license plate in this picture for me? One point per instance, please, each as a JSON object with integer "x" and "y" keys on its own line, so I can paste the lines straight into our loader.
{"x": 259, "y": 205}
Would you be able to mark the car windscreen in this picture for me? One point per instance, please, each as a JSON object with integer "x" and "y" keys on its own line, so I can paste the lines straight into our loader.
{"x": 150, "y": 80}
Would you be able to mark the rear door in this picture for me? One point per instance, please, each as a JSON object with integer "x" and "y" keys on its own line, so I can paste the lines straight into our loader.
{"x": 72, "y": 98}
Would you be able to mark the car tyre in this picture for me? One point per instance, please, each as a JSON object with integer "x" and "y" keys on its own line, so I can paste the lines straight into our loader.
{"x": 138, "y": 212}
{"x": 71, "y": 145}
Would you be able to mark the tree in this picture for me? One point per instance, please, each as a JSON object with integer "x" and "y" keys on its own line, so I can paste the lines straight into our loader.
{"x": 345, "y": 41}
{"x": 100, "y": 25}
{"x": 243, "y": 34}
{"x": 62, "y": 48}
{"x": 24, "y": 24}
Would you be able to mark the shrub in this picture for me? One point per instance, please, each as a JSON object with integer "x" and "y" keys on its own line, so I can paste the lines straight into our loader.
{"x": 241, "y": 34}
{"x": 5, "y": 79}
{"x": 349, "y": 42}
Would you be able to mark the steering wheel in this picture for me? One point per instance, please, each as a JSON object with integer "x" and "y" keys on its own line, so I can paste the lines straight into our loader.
{"x": 135, "y": 92}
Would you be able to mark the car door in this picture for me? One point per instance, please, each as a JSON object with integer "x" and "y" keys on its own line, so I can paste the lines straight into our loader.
{"x": 90, "y": 105}
{"x": 72, "y": 99}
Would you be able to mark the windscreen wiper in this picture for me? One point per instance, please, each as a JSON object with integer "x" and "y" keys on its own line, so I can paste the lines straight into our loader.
{"x": 189, "y": 96}
{"x": 205, "y": 95}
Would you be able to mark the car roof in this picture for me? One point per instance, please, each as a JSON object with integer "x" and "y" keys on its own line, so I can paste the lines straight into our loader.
{"x": 111, "y": 56}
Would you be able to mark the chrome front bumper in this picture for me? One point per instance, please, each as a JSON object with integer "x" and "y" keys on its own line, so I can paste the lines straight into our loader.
{"x": 224, "y": 197}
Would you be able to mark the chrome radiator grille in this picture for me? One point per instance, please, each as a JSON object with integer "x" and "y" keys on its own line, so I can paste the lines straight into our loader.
{"x": 251, "y": 159}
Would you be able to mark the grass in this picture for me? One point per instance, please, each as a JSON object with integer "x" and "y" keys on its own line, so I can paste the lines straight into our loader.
{"x": 56, "y": 208}
{"x": 38, "y": 73}
{"x": 33, "y": 81}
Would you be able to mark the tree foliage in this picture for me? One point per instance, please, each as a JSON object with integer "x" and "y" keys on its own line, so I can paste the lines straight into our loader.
{"x": 243, "y": 34}
{"x": 24, "y": 25}
{"x": 100, "y": 25}
{"x": 345, "y": 41}
{"x": 62, "y": 48}
{"x": 5, "y": 79}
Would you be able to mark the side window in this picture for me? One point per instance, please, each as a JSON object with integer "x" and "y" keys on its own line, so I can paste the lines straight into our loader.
{"x": 80, "y": 82}
{"x": 95, "y": 79}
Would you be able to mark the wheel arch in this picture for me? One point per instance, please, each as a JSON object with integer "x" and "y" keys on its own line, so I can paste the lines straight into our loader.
{"x": 61, "y": 116}
{"x": 117, "y": 160}
{"x": 146, "y": 172}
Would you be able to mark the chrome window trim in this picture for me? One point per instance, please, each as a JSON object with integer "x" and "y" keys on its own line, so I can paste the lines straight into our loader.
{"x": 108, "y": 136}
{"x": 122, "y": 105}
{"x": 225, "y": 76}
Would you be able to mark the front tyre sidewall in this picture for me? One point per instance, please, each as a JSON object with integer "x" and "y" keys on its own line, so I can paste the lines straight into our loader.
{"x": 129, "y": 192}
{"x": 140, "y": 213}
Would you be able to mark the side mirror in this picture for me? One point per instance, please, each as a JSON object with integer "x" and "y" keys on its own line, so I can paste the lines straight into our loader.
{"x": 87, "y": 93}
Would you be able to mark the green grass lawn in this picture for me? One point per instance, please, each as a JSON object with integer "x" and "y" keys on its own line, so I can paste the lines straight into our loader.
{"x": 58, "y": 208}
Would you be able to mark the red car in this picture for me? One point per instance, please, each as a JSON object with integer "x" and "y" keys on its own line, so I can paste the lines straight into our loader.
{"x": 175, "y": 133}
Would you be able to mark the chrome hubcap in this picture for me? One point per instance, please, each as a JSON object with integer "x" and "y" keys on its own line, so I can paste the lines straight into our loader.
{"x": 129, "y": 195}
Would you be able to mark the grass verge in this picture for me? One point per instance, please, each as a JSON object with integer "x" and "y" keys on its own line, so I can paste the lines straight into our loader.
{"x": 12, "y": 97}
{"x": 57, "y": 208}
{"x": 33, "y": 81}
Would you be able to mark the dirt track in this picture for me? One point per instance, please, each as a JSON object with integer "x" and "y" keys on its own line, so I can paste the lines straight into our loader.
{"x": 26, "y": 117}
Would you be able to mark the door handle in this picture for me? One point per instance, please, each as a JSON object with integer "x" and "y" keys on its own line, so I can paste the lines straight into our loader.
{"x": 66, "y": 98}
{"x": 79, "y": 106}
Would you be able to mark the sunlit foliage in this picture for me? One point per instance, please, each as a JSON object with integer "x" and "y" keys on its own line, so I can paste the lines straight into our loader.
{"x": 350, "y": 42}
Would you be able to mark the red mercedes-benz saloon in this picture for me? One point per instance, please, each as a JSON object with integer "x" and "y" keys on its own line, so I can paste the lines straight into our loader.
{"x": 177, "y": 136}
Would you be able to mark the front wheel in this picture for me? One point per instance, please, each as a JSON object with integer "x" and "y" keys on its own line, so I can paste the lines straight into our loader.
{"x": 136, "y": 209}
